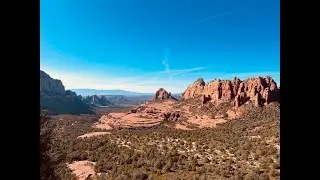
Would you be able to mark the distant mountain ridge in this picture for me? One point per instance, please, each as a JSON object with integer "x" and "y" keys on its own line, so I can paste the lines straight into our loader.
{"x": 97, "y": 100}
{"x": 113, "y": 92}
{"x": 90, "y": 92}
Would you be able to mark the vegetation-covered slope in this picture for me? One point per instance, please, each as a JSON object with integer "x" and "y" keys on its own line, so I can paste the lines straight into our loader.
{"x": 64, "y": 105}
{"x": 245, "y": 148}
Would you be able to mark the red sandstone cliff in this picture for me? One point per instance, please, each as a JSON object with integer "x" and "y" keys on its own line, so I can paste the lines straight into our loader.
{"x": 162, "y": 94}
{"x": 259, "y": 90}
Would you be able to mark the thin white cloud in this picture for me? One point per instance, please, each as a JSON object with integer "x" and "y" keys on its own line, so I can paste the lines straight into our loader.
{"x": 214, "y": 16}
{"x": 166, "y": 65}
{"x": 149, "y": 82}
{"x": 144, "y": 83}
{"x": 165, "y": 62}
{"x": 179, "y": 72}
{"x": 175, "y": 72}
{"x": 184, "y": 71}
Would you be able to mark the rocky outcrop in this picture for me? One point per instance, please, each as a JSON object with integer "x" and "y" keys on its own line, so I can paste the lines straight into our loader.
{"x": 162, "y": 94}
{"x": 259, "y": 90}
{"x": 171, "y": 116}
{"x": 205, "y": 99}
{"x": 54, "y": 98}
{"x": 139, "y": 108}
{"x": 50, "y": 85}
{"x": 240, "y": 99}
{"x": 194, "y": 89}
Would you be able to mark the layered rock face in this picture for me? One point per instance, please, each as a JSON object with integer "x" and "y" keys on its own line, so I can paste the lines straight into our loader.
{"x": 47, "y": 84}
{"x": 54, "y": 98}
{"x": 162, "y": 94}
{"x": 259, "y": 90}
{"x": 194, "y": 89}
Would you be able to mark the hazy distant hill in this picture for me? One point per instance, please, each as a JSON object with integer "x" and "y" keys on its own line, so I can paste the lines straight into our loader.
{"x": 90, "y": 92}
{"x": 118, "y": 99}
{"x": 136, "y": 99}
{"x": 97, "y": 100}
{"x": 132, "y": 100}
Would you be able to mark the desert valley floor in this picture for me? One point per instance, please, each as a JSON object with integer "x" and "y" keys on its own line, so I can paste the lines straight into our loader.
{"x": 105, "y": 148}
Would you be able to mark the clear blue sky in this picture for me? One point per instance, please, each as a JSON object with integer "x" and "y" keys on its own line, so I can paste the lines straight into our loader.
{"x": 142, "y": 45}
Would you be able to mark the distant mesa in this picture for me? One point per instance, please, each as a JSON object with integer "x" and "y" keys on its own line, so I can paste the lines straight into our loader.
{"x": 162, "y": 94}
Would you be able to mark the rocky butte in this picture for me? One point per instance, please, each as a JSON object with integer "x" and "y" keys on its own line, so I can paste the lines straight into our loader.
{"x": 259, "y": 90}
{"x": 162, "y": 94}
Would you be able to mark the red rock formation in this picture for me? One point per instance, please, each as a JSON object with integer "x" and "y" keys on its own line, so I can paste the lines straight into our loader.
{"x": 226, "y": 90}
{"x": 139, "y": 108}
{"x": 235, "y": 86}
{"x": 256, "y": 99}
{"x": 259, "y": 90}
{"x": 171, "y": 116}
{"x": 205, "y": 99}
{"x": 162, "y": 94}
{"x": 194, "y": 89}
{"x": 240, "y": 99}
{"x": 213, "y": 89}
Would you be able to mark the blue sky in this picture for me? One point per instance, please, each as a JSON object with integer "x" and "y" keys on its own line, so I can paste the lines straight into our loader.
{"x": 142, "y": 45}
